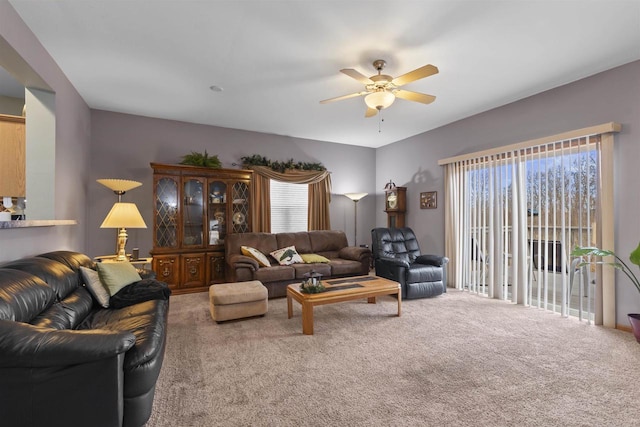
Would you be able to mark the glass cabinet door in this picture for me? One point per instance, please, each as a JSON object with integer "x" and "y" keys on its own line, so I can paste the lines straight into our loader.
{"x": 240, "y": 208}
{"x": 166, "y": 211}
{"x": 217, "y": 212}
{"x": 193, "y": 212}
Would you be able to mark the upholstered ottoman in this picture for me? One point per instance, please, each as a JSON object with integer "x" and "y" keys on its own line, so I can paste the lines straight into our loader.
{"x": 228, "y": 301}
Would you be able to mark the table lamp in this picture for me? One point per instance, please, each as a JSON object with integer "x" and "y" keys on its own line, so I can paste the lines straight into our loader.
{"x": 122, "y": 216}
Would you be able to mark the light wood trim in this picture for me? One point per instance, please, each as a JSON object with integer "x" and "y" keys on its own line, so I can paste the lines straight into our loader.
{"x": 12, "y": 156}
{"x": 10, "y": 118}
{"x": 592, "y": 130}
{"x": 607, "y": 239}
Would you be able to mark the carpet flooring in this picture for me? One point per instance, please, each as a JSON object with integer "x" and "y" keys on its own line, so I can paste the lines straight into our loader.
{"x": 454, "y": 360}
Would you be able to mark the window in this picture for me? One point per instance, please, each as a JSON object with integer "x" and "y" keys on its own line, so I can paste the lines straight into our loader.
{"x": 289, "y": 207}
{"x": 516, "y": 213}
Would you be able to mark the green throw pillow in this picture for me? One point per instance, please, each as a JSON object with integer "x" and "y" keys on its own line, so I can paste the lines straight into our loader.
{"x": 313, "y": 258}
{"x": 117, "y": 275}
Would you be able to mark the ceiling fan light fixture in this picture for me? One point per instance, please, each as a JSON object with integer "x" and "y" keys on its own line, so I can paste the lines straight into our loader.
{"x": 379, "y": 100}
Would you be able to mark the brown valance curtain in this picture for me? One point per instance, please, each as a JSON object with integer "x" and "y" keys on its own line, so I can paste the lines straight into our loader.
{"x": 319, "y": 196}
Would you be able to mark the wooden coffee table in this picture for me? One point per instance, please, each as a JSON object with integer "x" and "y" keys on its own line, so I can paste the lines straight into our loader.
{"x": 339, "y": 290}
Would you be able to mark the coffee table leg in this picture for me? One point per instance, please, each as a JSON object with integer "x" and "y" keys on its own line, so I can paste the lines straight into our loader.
{"x": 399, "y": 302}
{"x": 307, "y": 318}
{"x": 371, "y": 300}
{"x": 289, "y": 307}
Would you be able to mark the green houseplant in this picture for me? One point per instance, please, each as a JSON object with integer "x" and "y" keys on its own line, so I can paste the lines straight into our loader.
{"x": 202, "y": 160}
{"x": 634, "y": 258}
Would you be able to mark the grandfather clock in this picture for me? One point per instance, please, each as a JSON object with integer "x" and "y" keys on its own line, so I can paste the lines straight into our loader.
{"x": 395, "y": 205}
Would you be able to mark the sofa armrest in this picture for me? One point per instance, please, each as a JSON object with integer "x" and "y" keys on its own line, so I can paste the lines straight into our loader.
{"x": 393, "y": 262}
{"x": 27, "y": 346}
{"x": 437, "y": 260}
{"x": 76, "y": 375}
{"x": 242, "y": 261}
{"x": 354, "y": 253}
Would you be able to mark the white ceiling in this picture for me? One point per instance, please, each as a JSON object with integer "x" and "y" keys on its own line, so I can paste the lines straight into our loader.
{"x": 277, "y": 59}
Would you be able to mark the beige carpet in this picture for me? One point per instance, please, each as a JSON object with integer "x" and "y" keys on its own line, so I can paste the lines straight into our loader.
{"x": 454, "y": 360}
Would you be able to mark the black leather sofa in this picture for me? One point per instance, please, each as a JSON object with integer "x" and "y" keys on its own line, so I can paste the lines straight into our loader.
{"x": 397, "y": 257}
{"x": 65, "y": 360}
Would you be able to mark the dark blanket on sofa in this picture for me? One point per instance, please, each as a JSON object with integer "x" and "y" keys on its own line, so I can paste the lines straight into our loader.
{"x": 143, "y": 290}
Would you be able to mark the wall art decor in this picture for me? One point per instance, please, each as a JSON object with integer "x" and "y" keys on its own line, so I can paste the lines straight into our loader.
{"x": 429, "y": 200}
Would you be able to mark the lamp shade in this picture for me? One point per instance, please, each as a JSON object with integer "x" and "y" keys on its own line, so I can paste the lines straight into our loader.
{"x": 119, "y": 185}
{"x": 379, "y": 100}
{"x": 123, "y": 215}
{"x": 355, "y": 196}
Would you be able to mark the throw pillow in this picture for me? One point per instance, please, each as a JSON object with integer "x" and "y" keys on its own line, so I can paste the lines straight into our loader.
{"x": 255, "y": 254}
{"x": 287, "y": 256}
{"x": 117, "y": 275}
{"x": 314, "y": 258}
{"x": 95, "y": 286}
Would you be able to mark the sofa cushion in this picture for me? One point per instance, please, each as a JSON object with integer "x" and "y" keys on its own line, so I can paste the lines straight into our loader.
{"x": 255, "y": 254}
{"x": 94, "y": 285}
{"x": 23, "y": 296}
{"x": 287, "y": 256}
{"x": 73, "y": 260}
{"x": 302, "y": 269}
{"x": 78, "y": 305}
{"x": 264, "y": 242}
{"x": 62, "y": 279}
{"x": 146, "y": 321}
{"x": 327, "y": 241}
{"x": 300, "y": 240}
{"x": 343, "y": 267}
{"x": 275, "y": 273}
{"x": 54, "y": 317}
{"x": 116, "y": 275}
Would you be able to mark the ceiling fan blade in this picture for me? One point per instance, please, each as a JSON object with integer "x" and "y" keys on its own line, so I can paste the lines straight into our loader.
{"x": 418, "y": 73}
{"x": 415, "y": 96}
{"x": 370, "y": 112}
{"x": 340, "y": 98}
{"x": 357, "y": 75}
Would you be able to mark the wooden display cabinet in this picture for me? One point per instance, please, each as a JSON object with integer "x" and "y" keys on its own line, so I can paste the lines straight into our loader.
{"x": 194, "y": 209}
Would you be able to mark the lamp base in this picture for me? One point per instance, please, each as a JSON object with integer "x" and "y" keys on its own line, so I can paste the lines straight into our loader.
{"x": 122, "y": 242}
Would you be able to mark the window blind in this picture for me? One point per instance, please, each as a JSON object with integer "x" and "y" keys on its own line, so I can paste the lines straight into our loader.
{"x": 516, "y": 214}
{"x": 289, "y": 204}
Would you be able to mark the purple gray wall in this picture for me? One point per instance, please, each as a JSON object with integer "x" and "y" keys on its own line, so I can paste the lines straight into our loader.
{"x": 123, "y": 145}
{"x": 611, "y": 96}
{"x": 73, "y": 129}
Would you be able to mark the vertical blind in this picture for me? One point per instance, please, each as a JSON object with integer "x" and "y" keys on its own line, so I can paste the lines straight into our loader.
{"x": 514, "y": 215}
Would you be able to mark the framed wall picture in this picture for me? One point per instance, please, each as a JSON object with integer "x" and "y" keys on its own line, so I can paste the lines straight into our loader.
{"x": 429, "y": 200}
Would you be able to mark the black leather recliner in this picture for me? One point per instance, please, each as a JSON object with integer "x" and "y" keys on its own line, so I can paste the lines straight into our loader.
{"x": 397, "y": 257}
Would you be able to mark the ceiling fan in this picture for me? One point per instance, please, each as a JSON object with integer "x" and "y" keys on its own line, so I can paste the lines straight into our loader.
{"x": 381, "y": 90}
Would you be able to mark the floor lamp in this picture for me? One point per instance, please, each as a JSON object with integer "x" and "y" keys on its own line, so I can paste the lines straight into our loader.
{"x": 356, "y": 198}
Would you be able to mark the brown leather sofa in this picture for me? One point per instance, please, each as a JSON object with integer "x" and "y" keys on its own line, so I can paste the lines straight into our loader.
{"x": 344, "y": 260}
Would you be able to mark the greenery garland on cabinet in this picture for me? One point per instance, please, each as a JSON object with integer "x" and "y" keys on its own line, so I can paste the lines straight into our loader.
{"x": 258, "y": 160}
